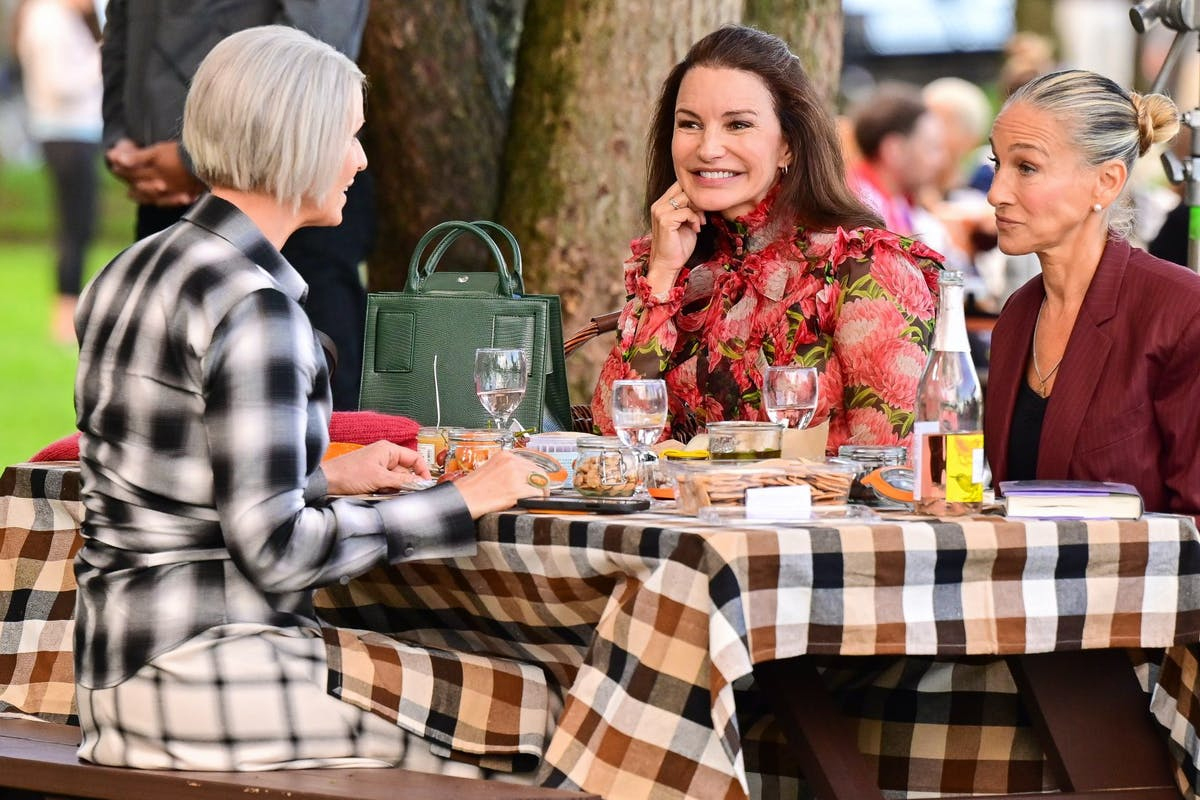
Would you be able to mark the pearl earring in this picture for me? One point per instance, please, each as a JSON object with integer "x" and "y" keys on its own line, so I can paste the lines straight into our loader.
{"x": 1097, "y": 208}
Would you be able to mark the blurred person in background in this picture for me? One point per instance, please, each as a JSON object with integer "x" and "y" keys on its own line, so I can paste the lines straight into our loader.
{"x": 1170, "y": 243}
{"x": 150, "y": 50}
{"x": 903, "y": 154}
{"x": 56, "y": 43}
{"x": 966, "y": 117}
{"x": 1169, "y": 237}
{"x": 963, "y": 210}
{"x": 903, "y": 151}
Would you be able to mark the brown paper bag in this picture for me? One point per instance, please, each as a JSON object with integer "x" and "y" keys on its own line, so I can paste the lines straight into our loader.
{"x": 806, "y": 442}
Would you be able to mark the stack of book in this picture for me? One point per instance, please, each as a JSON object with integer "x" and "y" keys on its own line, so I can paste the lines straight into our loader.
{"x": 1071, "y": 499}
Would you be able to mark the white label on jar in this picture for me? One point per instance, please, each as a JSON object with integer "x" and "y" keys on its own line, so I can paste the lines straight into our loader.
{"x": 779, "y": 502}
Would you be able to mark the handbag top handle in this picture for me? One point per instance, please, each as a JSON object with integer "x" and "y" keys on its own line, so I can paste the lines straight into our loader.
{"x": 420, "y": 268}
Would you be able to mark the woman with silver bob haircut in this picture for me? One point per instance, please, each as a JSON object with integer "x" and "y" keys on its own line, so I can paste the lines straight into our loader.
{"x": 271, "y": 118}
{"x": 203, "y": 402}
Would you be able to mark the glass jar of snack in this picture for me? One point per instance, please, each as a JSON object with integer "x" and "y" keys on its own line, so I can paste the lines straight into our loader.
{"x": 469, "y": 448}
{"x": 871, "y": 458}
{"x": 699, "y": 484}
{"x": 605, "y": 467}
{"x": 724, "y": 483}
{"x": 743, "y": 440}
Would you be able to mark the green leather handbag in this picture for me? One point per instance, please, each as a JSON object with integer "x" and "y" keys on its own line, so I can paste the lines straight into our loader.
{"x": 419, "y": 351}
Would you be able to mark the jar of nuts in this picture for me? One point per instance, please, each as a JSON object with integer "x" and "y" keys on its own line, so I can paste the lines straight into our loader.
{"x": 605, "y": 467}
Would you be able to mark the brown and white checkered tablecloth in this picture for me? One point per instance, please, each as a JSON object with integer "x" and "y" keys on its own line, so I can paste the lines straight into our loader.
{"x": 39, "y": 526}
{"x": 651, "y": 626}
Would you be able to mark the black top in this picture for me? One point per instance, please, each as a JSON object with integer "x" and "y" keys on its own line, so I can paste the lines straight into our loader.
{"x": 1025, "y": 434}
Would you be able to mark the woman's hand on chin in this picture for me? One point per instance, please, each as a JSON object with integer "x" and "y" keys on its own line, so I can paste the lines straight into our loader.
{"x": 674, "y": 226}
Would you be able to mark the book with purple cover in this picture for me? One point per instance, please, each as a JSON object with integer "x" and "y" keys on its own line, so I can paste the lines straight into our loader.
{"x": 1071, "y": 499}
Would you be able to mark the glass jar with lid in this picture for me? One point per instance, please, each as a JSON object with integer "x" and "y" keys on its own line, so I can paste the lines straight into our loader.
{"x": 433, "y": 445}
{"x": 871, "y": 458}
{"x": 469, "y": 448}
{"x": 605, "y": 467}
{"x": 744, "y": 440}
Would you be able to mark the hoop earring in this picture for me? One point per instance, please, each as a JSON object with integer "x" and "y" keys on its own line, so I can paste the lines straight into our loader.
{"x": 783, "y": 169}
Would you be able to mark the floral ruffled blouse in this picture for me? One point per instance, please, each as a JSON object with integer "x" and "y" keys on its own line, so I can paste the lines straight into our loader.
{"x": 859, "y": 305}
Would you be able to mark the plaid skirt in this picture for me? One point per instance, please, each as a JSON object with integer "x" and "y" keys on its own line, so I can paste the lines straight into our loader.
{"x": 247, "y": 697}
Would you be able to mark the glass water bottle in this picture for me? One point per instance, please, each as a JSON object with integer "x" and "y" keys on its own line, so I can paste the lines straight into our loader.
{"x": 947, "y": 448}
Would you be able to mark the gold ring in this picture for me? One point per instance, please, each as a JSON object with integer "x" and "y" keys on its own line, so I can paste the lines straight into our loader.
{"x": 674, "y": 203}
{"x": 537, "y": 480}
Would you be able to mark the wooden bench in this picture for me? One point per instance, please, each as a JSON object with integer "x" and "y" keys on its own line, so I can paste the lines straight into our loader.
{"x": 39, "y": 757}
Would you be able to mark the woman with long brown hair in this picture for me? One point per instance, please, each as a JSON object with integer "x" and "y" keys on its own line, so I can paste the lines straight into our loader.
{"x": 759, "y": 254}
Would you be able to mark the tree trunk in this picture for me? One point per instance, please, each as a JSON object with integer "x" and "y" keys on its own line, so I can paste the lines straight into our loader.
{"x": 588, "y": 75}
{"x": 440, "y": 74}
{"x": 813, "y": 29}
{"x": 569, "y": 171}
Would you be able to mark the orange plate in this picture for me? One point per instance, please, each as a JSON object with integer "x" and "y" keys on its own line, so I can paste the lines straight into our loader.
{"x": 336, "y": 449}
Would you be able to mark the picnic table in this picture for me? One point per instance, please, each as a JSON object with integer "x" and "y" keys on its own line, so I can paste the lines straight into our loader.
{"x": 658, "y": 633}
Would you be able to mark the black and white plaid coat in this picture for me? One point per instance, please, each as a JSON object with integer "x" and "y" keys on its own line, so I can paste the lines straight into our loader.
{"x": 203, "y": 398}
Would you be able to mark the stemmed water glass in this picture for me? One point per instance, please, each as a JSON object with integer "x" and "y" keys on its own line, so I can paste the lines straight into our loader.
{"x": 639, "y": 413}
{"x": 501, "y": 375}
{"x": 790, "y": 394}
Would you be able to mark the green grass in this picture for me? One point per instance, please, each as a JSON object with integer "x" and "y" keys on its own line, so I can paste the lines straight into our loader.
{"x": 25, "y": 211}
{"x": 36, "y": 374}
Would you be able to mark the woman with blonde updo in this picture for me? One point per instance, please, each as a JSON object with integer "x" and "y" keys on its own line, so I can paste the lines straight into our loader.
{"x": 1095, "y": 364}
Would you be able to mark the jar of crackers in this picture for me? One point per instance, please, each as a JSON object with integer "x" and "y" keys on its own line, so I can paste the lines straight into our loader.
{"x": 702, "y": 484}
{"x": 605, "y": 467}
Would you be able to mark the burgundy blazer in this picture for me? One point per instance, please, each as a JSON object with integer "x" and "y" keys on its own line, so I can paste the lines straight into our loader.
{"x": 1126, "y": 403}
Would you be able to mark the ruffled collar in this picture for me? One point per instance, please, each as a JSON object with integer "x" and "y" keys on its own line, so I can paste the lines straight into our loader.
{"x": 758, "y": 271}
{"x": 752, "y": 231}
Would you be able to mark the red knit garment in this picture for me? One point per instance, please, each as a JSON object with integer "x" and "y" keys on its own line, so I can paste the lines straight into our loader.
{"x": 356, "y": 427}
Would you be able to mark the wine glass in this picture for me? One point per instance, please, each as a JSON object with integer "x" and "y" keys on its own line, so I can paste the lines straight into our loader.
{"x": 639, "y": 412}
{"x": 501, "y": 375}
{"x": 790, "y": 394}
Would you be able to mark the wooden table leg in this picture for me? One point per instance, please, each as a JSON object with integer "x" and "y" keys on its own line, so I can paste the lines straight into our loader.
{"x": 821, "y": 737}
{"x": 1093, "y": 720}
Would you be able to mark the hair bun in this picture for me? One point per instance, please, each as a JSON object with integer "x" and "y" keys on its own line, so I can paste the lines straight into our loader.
{"x": 1157, "y": 119}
